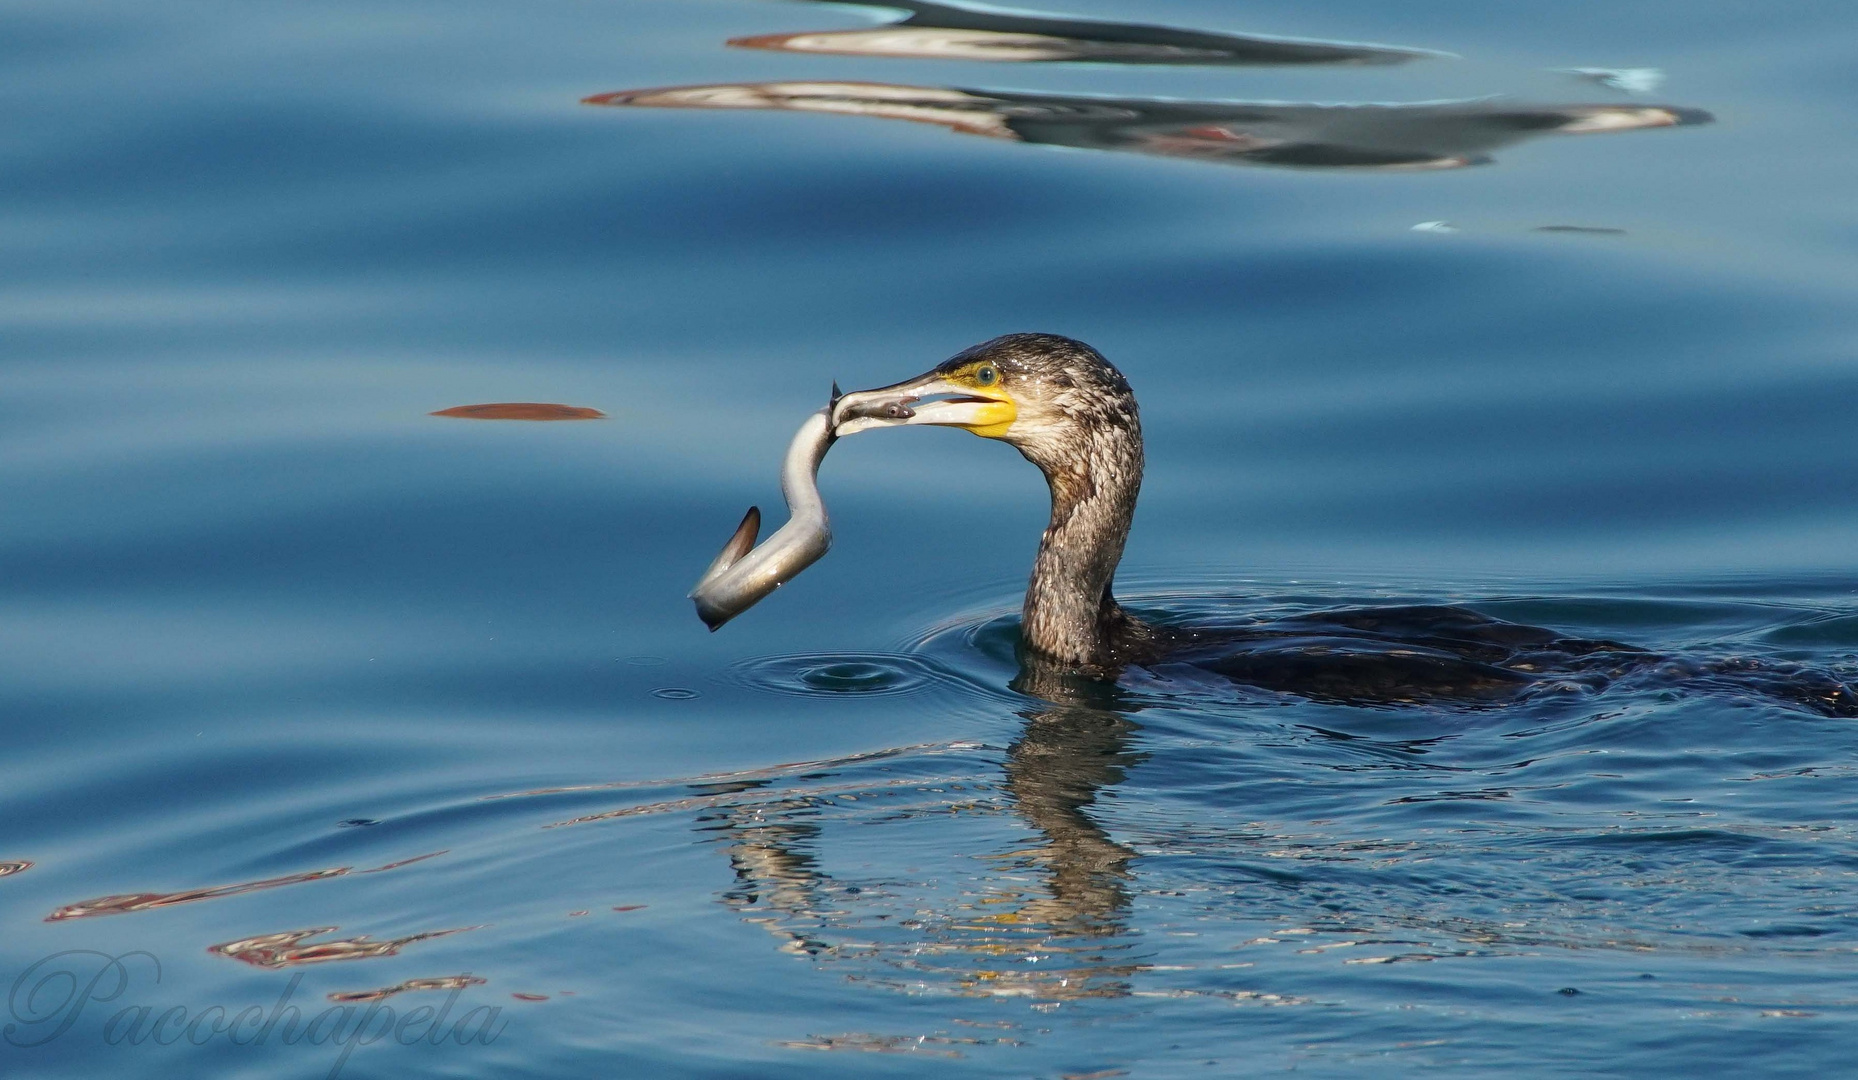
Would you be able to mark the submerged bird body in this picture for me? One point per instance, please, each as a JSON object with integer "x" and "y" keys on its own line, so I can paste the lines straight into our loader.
{"x": 1070, "y": 412}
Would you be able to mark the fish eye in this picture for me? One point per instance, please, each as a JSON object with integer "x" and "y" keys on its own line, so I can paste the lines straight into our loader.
{"x": 985, "y": 375}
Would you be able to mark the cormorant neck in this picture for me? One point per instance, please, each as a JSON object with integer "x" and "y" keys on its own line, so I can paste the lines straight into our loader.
{"x": 1070, "y": 615}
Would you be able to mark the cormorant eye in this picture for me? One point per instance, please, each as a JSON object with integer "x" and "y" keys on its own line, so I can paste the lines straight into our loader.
{"x": 986, "y": 375}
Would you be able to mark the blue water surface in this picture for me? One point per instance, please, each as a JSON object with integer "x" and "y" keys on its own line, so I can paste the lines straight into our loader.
{"x": 311, "y": 699}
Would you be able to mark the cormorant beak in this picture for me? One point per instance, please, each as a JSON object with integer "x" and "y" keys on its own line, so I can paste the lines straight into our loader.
{"x": 986, "y": 411}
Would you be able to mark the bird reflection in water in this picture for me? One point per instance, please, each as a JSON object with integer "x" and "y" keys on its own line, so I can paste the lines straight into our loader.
{"x": 947, "y": 32}
{"x": 1048, "y": 920}
{"x": 1434, "y": 135}
{"x": 291, "y": 948}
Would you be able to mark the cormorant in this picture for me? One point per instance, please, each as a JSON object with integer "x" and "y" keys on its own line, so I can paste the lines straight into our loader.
{"x": 1072, "y": 413}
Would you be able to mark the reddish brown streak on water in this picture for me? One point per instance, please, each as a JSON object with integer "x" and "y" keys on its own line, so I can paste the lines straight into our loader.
{"x": 521, "y": 410}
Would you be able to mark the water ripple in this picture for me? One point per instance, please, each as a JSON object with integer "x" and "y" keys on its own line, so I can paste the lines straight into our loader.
{"x": 829, "y": 675}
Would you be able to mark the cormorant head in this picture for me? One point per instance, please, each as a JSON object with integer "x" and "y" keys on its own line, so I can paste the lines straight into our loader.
{"x": 1046, "y": 395}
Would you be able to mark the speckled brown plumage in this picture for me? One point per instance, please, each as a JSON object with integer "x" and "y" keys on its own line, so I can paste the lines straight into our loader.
{"x": 1077, "y": 422}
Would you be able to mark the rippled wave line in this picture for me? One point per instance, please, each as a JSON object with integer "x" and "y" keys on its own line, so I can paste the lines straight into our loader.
{"x": 793, "y": 798}
{"x": 765, "y": 773}
{"x": 123, "y": 903}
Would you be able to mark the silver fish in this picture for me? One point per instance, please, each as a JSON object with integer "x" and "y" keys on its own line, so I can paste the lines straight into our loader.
{"x": 744, "y": 573}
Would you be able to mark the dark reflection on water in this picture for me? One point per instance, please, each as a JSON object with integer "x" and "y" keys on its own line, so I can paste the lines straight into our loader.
{"x": 1072, "y": 749}
{"x": 1448, "y": 135}
{"x": 1044, "y": 922}
{"x": 950, "y": 32}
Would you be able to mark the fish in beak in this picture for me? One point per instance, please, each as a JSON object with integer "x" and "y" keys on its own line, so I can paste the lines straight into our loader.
{"x": 745, "y": 571}
{"x": 965, "y": 395}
